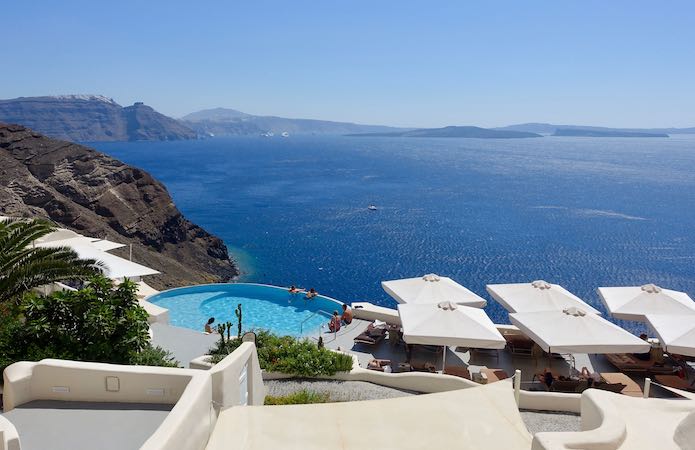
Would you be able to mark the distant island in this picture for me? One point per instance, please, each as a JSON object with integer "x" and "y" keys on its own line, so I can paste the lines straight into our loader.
{"x": 549, "y": 128}
{"x": 230, "y": 122}
{"x": 83, "y": 118}
{"x": 597, "y": 133}
{"x": 454, "y": 132}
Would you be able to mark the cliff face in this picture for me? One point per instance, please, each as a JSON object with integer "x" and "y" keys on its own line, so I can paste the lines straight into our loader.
{"x": 96, "y": 195}
{"x": 91, "y": 118}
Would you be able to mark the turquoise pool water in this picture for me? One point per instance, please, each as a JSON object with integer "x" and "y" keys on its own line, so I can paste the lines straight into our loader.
{"x": 264, "y": 307}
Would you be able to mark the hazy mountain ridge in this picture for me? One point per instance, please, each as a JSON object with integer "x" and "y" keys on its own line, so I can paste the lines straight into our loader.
{"x": 91, "y": 118}
{"x": 94, "y": 194}
{"x": 455, "y": 131}
{"x": 225, "y": 121}
{"x": 549, "y": 128}
{"x": 576, "y": 132}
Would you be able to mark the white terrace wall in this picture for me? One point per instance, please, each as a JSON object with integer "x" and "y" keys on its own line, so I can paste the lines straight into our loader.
{"x": 9, "y": 439}
{"x": 238, "y": 374}
{"x": 187, "y": 426}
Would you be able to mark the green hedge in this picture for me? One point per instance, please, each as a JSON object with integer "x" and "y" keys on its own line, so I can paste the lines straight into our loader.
{"x": 303, "y": 397}
{"x": 289, "y": 355}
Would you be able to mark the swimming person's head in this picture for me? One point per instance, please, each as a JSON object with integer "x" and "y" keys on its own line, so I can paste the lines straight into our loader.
{"x": 211, "y": 320}
{"x": 312, "y": 290}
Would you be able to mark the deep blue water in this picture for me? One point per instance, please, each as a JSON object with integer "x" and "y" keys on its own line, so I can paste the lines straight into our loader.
{"x": 582, "y": 212}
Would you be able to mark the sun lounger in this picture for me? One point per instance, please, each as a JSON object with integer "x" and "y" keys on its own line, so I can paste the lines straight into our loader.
{"x": 371, "y": 336}
{"x": 425, "y": 366}
{"x": 378, "y": 364}
{"x": 519, "y": 344}
{"x": 494, "y": 374}
{"x": 611, "y": 387}
{"x": 458, "y": 372}
{"x": 565, "y": 386}
{"x": 675, "y": 382}
{"x": 630, "y": 364}
{"x": 631, "y": 388}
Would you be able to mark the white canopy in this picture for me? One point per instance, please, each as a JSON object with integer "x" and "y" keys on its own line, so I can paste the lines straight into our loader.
{"x": 676, "y": 332}
{"x": 449, "y": 324}
{"x": 432, "y": 289}
{"x": 635, "y": 302}
{"x": 536, "y": 296}
{"x": 116, "y": 267}
{"x": 573, "y": 330}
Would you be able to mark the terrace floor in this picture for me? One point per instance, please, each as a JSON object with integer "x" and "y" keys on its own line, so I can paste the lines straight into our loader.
{"x": 183, "y": 343}
{"x": 58, "y": 425}
{"x": 475, "y": 360}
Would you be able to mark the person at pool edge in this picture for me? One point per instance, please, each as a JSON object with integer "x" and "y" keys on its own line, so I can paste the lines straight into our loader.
{"x": 346, "y": 318}
{"x": 334, "y": 324}
{"x": 294, "y": 290}
{"x": 311, "y": 294}
{"x": 208, "y": 326}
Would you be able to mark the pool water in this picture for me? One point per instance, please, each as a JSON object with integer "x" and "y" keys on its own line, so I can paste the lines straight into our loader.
{"x": 263, "y": 307}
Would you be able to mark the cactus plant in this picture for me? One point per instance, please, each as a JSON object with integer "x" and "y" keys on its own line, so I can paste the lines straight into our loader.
{"x": 237, "y": 311}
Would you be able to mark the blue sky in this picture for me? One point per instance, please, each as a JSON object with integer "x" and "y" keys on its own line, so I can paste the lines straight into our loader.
{"x": 614, "y": 63}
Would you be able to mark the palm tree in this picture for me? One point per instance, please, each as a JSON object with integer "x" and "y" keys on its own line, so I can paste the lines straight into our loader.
{"x": 24, "y": 266}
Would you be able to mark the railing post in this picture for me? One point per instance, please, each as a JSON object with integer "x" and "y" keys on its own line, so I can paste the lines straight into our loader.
{"x": 647, "y": 387}
{"x": 517, "y": 385}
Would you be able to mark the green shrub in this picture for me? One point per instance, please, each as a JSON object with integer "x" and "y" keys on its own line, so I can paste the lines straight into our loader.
{"x": 289, "y": 355}
{"x": 303, "y": 397}
{"x": 99, "y": 323}
{"x": 154, "y": 356}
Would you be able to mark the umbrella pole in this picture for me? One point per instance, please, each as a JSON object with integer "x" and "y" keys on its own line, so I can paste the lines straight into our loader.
{"x": 444, "y": 359}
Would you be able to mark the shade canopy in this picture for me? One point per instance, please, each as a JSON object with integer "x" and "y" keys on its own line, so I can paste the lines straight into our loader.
{"x": 449, "y": 324}
{"x": 573, "y": 330}
{"x": 676, "y": 332}
{"x": 115, "y": 266}
{"x": 536, "y": 296}
{"x": 635, "y": 302}
{"x": 431, "y": 289}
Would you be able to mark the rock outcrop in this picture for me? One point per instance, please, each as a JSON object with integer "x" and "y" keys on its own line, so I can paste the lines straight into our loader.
{"x": 96, "y": 195}
{"x": 92, "y": 118}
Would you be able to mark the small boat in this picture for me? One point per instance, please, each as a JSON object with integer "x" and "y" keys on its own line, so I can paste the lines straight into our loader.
{"x": 371, "y": 207}
{"x": 285, "y": 134}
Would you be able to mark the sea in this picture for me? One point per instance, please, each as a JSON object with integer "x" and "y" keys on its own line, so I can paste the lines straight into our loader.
{"x": 581, "y": 212}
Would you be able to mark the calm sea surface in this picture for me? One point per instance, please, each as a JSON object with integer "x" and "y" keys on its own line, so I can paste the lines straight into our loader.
{"x": 581, "y": 212}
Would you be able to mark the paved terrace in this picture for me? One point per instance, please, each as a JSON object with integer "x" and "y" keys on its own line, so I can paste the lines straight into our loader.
{"x": 57, "y": 425}
{"x": 185, "y": 344}
{"x": 474, "y": 361}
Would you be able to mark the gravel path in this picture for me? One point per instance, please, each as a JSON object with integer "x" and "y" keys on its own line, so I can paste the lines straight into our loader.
{"x": 550, "y": 421}
{"x": 339, "y": 391}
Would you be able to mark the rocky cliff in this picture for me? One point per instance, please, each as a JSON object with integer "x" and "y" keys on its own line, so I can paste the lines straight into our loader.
{"x": 96, "y": 195}
{"x": 92, "y": 118}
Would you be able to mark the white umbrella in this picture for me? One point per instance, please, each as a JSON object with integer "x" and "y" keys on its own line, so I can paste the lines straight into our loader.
{"x": 676, "y": 332}
{"x": 448, "y": 324}
{"x": 573, "y": 330}
{"x": 536, "y": 296}
{"x": 431, "y": 289}
{"x": 635, "y": 302}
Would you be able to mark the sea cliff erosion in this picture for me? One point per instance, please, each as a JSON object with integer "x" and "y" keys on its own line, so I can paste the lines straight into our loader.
{"x": 96, "y": 195}
{"x": 83, "y": 118}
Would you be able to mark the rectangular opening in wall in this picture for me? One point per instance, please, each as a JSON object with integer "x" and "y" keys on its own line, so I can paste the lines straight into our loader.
{"x": 113, "y": 384}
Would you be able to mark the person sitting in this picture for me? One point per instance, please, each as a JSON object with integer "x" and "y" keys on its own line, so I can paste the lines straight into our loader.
{"x": 311, "y": 294}
{"x": 346, "y": 318}
{"x": 546, "y": 377}
{"x": 334, "y": 324}
{"x": 208, "y": 326}
{"x": 591, "y": 377}
{"x": 643, "y": 356}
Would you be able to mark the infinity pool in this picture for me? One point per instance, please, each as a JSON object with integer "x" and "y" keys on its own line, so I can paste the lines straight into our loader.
{"x": 263, "y": 307}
